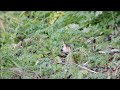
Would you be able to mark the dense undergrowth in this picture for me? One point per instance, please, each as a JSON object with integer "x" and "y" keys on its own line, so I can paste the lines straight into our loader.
{"x": 31, "y": 42}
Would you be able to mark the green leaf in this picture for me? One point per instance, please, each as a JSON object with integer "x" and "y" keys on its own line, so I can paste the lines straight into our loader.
{"x": 58, "y": 60}
{"x": 85, "y": 72}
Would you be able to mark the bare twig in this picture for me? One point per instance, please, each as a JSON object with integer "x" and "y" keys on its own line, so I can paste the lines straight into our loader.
{"x": 85, "y": 63}
{"x": 86, "y": 68}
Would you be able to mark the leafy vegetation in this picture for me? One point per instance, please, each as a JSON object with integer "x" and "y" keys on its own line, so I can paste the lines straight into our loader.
{"x": 31, "y": 42}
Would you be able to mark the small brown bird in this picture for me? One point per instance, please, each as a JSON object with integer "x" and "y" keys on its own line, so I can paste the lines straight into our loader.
{"x": 66, "y": 48}
{"x": 65, "y": 51}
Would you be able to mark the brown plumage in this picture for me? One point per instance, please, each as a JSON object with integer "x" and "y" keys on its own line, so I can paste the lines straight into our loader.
{"x": 66, "y": 48}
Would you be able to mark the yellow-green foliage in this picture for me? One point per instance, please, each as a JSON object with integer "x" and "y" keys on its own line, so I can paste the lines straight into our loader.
{"x": 31, "y": 41}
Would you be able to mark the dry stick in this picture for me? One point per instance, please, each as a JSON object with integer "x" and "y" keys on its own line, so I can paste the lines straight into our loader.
{"x": 85, "y": 63}
{"x": 86, "y": 68}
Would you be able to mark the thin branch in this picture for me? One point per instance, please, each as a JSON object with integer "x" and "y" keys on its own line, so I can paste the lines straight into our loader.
{"x": 86, "y": 69}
